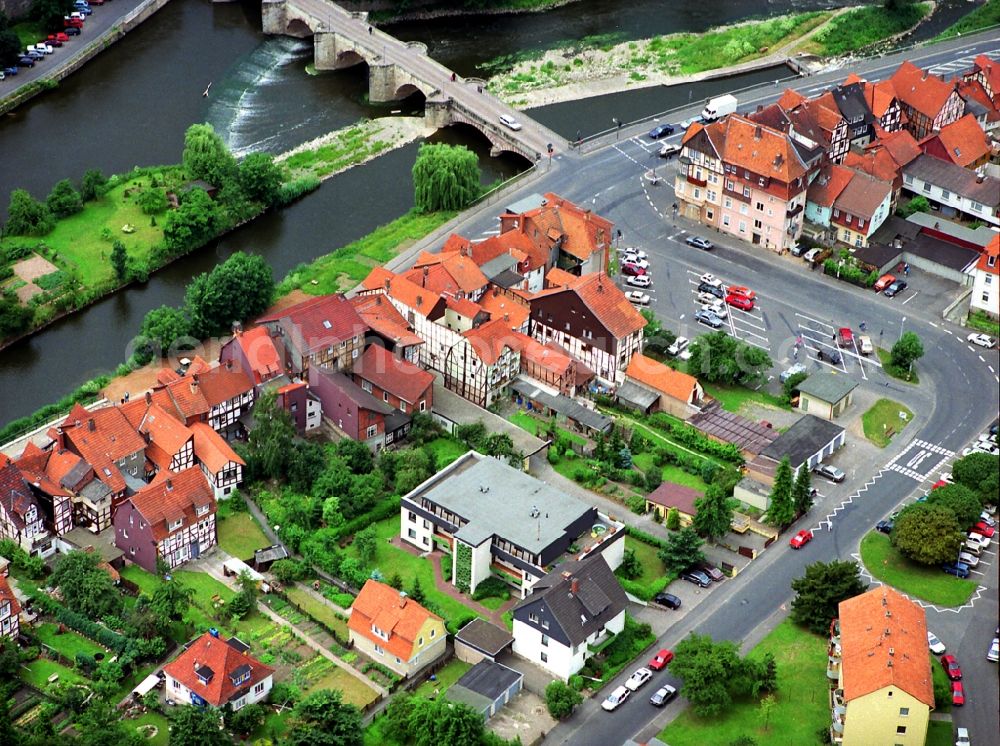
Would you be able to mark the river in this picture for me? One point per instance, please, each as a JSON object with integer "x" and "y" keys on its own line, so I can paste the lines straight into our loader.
{"x": 131, "y": 105}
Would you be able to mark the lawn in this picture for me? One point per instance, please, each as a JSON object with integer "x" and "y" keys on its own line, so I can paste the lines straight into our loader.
{"x": 318, "y": 611}
{"x": 68, "y": 643}
{"x": 452, "y": 672}
{"x": 883, "y": 421}
{"x": 928, "y": 583}
{"x": 354, "y": 691}
{"x": 939, "y": 733}
{"x": 984, "y": 16}
{"x": 671, "y": 473}
{"x": 652, "y": 567}
{"x": 156, "y": 720}
{"x": 941, "y": 684}
{"x": 240, "y": 535}
{"x": 802, "y": 708}
{"x": 445, "y": 449}
{"x": 735, "y": 398}
{"x": 534, "y": 425}
{"x": 885, "y": 357}
{"x": 391, "y": 560}
{"x": 38, "y": 671}
{"x": 861, "y": 27}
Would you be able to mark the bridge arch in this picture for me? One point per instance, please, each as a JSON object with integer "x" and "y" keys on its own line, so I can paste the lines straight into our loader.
{"x": 349, "y": 58}
{"x": 298, "y": 28}
{"x": 409, "y": 89}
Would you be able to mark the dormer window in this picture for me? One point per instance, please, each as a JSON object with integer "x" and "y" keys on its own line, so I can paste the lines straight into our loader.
{"x": 240, "y": 674}
{"x": 202, "y": 509}
{"x": 380, "y": 633}
{"x": 174, "y": 525}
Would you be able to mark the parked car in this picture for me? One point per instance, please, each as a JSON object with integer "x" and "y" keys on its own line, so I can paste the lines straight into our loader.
{"x": 708, "y": 318}
{"x": 719, "y": 309}
{"x": 975, "y": 537}
{"x": 810, "y": 256}
{"x": 699, "y": 243}
{"x": 985, "y": 517}
{"x": 638, "y": 297}
{"x": 983, "y": 340}
{"x": 637, "y": 679}
{"x": 831, "y": 356}
{"x": 962, "y": 737}
{"x": 632, "y": 251}
{"x": 72, "y": 21}
{"x": 12, "y": 70}
{"x": 61, "y": 37}
{"x": 743, "y": 291}
{"x": 632, "y": 270}
{"x": 957, "y": 694}
{"x": 994, "y": 652}
{"x": 829, "y": 471}
{"x": 968, "y": 558}
{"x": 740, "y": 301}
{"x": 972, "y": 546}
{"x": 792, "y": 371}
{"x": 639, "y": 281}
{"x": 711, "y": 570}
{"x": 958, "y": 569}
{"x": 895, "y": 289}
{"x": 615, "y": 699}
{"x": 935, "y": 645}
{"x": 983, "y": 530}
{"x": 717, "y": 290}
{"x": 798, "y": 249}
{"x": 688, "y": 122}
{"x": 661, "y": 130}
{"x": 25, "y": 61}
{"x": 800, "y": 539}
{"x": 669, "y": 150}
{"x": 71, "y": 31}
{"x": 667, "y": 599}
{"x": 679, "y": 344}
{"x": 642, "y": 264}
{"x": 663, "y": 695}
{"x": 883, "y": 282}
{"x": 509, "y": 122}
{"x": 660, "y": 660}
{"x": 35, "y": 54}
{"x": 52, "y": 41}
{"x": 709, "y": 279}
{"x": 865, "y": 344}
{"x": 844, "y": 337}
{"x": 697, "y": 577}
{"x": 884, "y": 527}
{"x": 951, "y": 667}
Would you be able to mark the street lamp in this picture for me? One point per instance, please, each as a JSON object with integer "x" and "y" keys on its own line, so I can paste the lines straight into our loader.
{"x": 901, "y": 322}
{"x": 618, "y": 125}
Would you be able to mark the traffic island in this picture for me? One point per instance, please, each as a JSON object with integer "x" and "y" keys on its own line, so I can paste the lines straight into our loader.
{"x": 885, "y": 419}
{"x": 883, "y": 562}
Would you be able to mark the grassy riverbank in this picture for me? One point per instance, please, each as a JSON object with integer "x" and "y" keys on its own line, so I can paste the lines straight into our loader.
{"x": 984, "y": 16}
{"x": 861, "y": 27}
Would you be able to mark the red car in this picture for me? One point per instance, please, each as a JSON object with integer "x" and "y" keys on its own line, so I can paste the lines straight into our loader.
{"x": 800, "y": 539}
{"x": 660, "y": 660}
{"x": 52, "y": 41}
{"x": 845, "y": 337}
{"x": 633, "y": 270}
{"x": 740, "y": 301}
{"x": 983, "y": 529}
{"x": 957, "y": 694}
{"x": 938, "y": 484}
{"x": 746, "y": 292}
{"x": 951, "y": 667}
{"x": 73, "y": 22}
{"x": 60, "y": 37}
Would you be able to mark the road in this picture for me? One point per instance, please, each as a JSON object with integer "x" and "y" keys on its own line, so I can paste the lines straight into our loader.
{"x": 957, "y": 398}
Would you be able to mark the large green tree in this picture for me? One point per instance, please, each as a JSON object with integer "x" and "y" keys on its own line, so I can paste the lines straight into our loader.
{"x": 928, "y": 534}
{"x": 64, "y": 200}
{"x": 27, "y": 216}
{"x": 720, "y": 358}
{"x": 445, "y": 177}
{"x": 239, "y": 288}
{"x": 960, "y": 500}
{"x": 270, "y": 441}
{"x": 714, "y": 513}
{"x": 979, "y": 472}
{"x": 323, "y": 719}
{"x": 781, "y": 508}
{"x": 436, "y": 722}
{"x": 561, "y": 700}
{"x": 802, "y": 498}
{"x": 196, "y": 726}
{"x": 93, "y": 185}
{"x": 683, "y": 549}
{"x": 14, "y": 316}
{"x": 713, "y": 673}
{"x": 86, "y": 587}
{"x": 162, "y": 327}
{"x": 171, "y": 599}
{"x": 820, "y": 591}
{"x": 207, "y": 157}
{"x": 50, "y": 13}
{"x": 195, "y": 221}
{"x": 907, "y": 350}
{"x": 119, "y": 260}
{"x": 260, "y": 178}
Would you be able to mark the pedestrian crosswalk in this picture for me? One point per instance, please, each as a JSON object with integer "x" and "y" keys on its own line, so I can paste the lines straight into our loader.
{"x": 962, "y": 64}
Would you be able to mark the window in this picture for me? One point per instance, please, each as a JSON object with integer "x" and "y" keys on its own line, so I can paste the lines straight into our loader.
{"x": 757, "y": 224}
{"x": 372, "y": 431}
{"x": 545, "y": 624}
{"x": 900, "y": 730}
{"x": 343, "y": 344}
{"x": 413, "y": 516}
{"x": 744, "y": 209}
{"x": 258, "y": 688}
{"x": 730, "y": 185}
{"x": 433, "y": 632}
{"x": 697, "y": 193}
{"x": 545, "y": 641}
{"x": 532, "y": 617}
{"x": 746, "y": 191}
{"x": 857, "y": 240}
{"x": 861, "y": 222}
{"x": 908, "y": 179}
{"x": 986, "y": 297}
{"x": 836, "y": 212}
{"x": 125, "y": 533}
{"x": 760, "y": 207}
{"x": 927, "y": 187}
{"x": 709, "y": 214}
{"x": 712, "y": 196}
{"x": 385, "y": 396}
{"x": 977, "y": 207}
{"x": 420, "y": 642}
{"x": 402, "y": 405}
{"x": 743, "y": 226}
{"x": 411, "y": 533}
{"x": 725, "y": 220}
{"x": 423, "y": 406}
{"x": 587, "y": 334}
{"x": 379, "y": 650}
{"x": 175, "y": 524}
{"x": 991, "y": 261}
{"x": 728, "y": 203}
{"x": 847, "y": 236}
{"x": 545, "y": 658}
{"x": 904, "y": 711}
{"x": 945, "y": 194}
{"x": 366, "y": 386}
{"x": 354, "y": 353}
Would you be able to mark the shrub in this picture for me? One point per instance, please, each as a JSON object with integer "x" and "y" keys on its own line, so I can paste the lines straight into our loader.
{"x": 673, "y": 519}
{"x": 636, "y": 503}
{"x": 561, "y": 699}
{"x": 492, "y": 587}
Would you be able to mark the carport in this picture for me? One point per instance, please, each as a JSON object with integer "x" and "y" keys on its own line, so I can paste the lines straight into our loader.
{"x": 636, "y": 397}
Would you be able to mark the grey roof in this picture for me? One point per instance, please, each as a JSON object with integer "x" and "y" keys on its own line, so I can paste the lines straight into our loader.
{"x": 354, "y": 392}
{"x": 808, "y": 436}
{"x": 862, "y": 195}
{"x": 563, "y": 405}
{"x": 497, "y": 264}
{"x": 525, "y": 204}
{"x": 95, "y": 490}
{"x": 497, "y": 499}
{"x": 955, "y": 179}
{"x": 828, "y": 385}
{"x": 599, "y": 597}
{"x": 464, "y": 696}
{"x": 489, "y": 679}
{"x": 981, "y": 236}
{"x": 639, "y": 396}
{"x": 395, "y": 420}
{"x": 270, "y": 554}
{"x": 484, "y": 636}
{"x": 850, "y": 99}
{"x": 507, "y": 279}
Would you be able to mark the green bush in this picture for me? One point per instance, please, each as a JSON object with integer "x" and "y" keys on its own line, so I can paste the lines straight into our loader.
{"x": 673, "y": 519}
{"x": 492, "y": 587}
{"x": 636, "y": 503}
{"x": 294, "y": 189}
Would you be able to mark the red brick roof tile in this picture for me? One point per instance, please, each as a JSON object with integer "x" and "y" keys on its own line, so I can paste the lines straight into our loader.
{"x": 318, "y": 322}
{"x": 7, "y": 594}
{"x": 963, "y": 140}
{"x": 210, "y": 653}
{"x": 606, "y": 301}
{"x": 211, "y": 449}
{"x": 102, "y": 437}
{"x": 384, "y": 606}
{"x": 260, "y": 352}
{"x": 489, "y": 340}
{"x": 992, "y": 249}
{"x": 662, "y": 378}
{"x": 500, "y": 306}
{"x": 401, "y": 378}
{"x": 383, "y": 318}
{"x": 828, "y": 184}
{"x": 920, "y": 90}
{"x": 171, "y": 496}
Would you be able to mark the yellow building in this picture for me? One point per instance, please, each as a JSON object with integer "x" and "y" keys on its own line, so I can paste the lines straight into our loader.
{"x": 881, "y": 663}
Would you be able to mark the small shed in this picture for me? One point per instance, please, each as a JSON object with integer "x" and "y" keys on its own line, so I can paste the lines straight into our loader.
{"x": 752, "y": 492}
{"x": 233, "y": 567}
{"x": 669, "y": 495}
{"x": 486, "y": 687}
{"x": 479, "y": 640}
{"x": 826, "y": 394}
{"x": 264, "y": 558}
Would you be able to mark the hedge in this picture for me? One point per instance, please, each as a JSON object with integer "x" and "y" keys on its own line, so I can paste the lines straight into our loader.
{"x": 85, "y": 394}
{"x": 380, "y": 512}
{"x": 645, "y": 591}
{"x": 645, "y": 538}
{"x": 690, "y": 437}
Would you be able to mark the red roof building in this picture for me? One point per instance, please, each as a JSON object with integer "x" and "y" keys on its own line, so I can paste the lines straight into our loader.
{"x": 217, "y": 672}
{"x": 254, "y": 352}
{"x": 399, "y": 383}
{"x": 962, "y": 142}
{"x": 388, "y": 324}
{"x": 325, "y": 330}
{"x": 986, "y": 280}
{"x": 107, "y": 441}
{"x": 928, "y": 102}
{"x": 10, "y": 610}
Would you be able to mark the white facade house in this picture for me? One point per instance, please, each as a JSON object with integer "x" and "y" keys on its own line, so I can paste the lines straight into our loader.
{"x": 986, "y": 280}
{"x": 953, "y": 188}
{"x": 217, "y": 672}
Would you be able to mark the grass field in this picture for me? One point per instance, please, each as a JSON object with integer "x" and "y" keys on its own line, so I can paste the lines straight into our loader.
{"x": 671, "y": 473}
{"x": 453, "y": 670}
{"x": 734, "y": 398}
{"x": 156, "y": 720}
{"x": 354, "y": 691}
{"x": 348, "y": 147}
{"x": 802, "y": 708}
{"x": 317, "y": 610}
{"x": 38, "y": 671}
{"x": 882, "y": 417}
{"x": 941, "y": 683}
{"x": 240, "y": 535}
{"x": 68, "y": 643}
{"x": 939, "y": 733}
{"x": 902, "y": 374}
{"x": 987, "y": 14}
{"x": 534, "y": 425}
{"x": 446, "y": 449}
{"x": 652, "y": 567}
{"x": 927, "y": 583}
{"x": 861, "y": 27}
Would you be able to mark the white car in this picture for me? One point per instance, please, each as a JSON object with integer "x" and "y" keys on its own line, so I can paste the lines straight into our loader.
{"x": 974, "y": 538}
{"x": 936, "y": 646}
{"x": 983, "y": 340}
{"x": 616, "y": 698}
{"x": 679, "y": 344}
{"x": 709, "y": 279}
{"x": 638, "y": 297}
{"x": 509, "y": 122}
{"x": 994, "y": 652}
{"x": 810, "y": 256}
{"x": 636, "y": 253}
{"x": 638, "y": 281}
{"x": 637, "y": 679}
{"x": 968, "y": 558}
{"x": 718, "y": 308}
{"x": 986, "y": 518}
{"x": 706, "y": 298}
{"x": 962, "y": 737}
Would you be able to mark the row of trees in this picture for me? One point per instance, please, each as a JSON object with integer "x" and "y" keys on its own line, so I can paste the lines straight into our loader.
{"x": 790, "y": 497}
{"x": 26, "y": 216}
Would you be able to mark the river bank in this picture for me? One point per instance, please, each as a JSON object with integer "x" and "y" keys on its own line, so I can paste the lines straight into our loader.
{"x": 386, "y": 12}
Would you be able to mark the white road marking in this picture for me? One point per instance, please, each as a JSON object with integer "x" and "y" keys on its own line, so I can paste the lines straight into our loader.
{"x": 815, "y": 321}
{"x": 933, "y": 324}
{"x": 911, "y": 298}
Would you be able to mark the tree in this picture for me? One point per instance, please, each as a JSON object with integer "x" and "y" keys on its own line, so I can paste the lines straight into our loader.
{"x": 561, "y": 699}
{"x": 417, "y": 591}
{"x": 306, "y": 462}
{"x": 445, "y": 177}
{"x": 27, "y": 216}
{"x": 207, "y": 157}
{"x": 85, "y": 586}
{"x": 119, "y": 260}
{"x": 240, "y": 287}
{"x": 438, "y": 721}
{"x": 245, "y": 720}
{"x": 152, "y": 201}
{"x": 161, "y": 328}
{"x": 781, "y": 509}
{"x": 366, "y": 542}
{"x": 791, "y": 385}
{"x": 270, "y": 440}
{"x": 802, "y": 498}
{"x": 10, "y": 47}
{"x": 673, "y": 519}
{"x": 356, "y": 455}
{"x": 323, "y": 719}
{"x": 978, "y": 471}
{"x": 820, "y": 591}
{"x": 260, "y": 178}
{"x": 714, "y": 513}
{"x": 196, "y": 726}
{"x": 907, "y": 350}
{"x": 171, "y": 599}
{"x": 64, "y": 200}
{"x": 49, "y": 13}
{"x": 708, "y": 669}
{"x": 289, "y": 570}
{"x": 964, "y": 504}
{"x": 928, "y": 534}
{"x": 683, "y": 549}
{"x": 195, "y": 221}
{"x": 719, "y": 358}
{"x": 93, "y": 185}
{"x": 14, "y": 317}
{"x": 766, "y": 707}
{"x": 101, "y": 724}
{"x": 631, "y": 567}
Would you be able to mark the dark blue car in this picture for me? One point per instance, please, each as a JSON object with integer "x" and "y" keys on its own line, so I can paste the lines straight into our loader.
{"x": 26, "y": 62}
{"x": 661, "y": 130}
{"x": 10, "y": 71}
{"x": 958, "y": 569}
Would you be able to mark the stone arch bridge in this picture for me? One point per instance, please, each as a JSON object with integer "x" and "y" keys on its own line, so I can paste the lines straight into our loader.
{"x": 398, "y": 69}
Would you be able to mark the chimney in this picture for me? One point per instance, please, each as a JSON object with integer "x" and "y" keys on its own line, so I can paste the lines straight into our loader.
{"x": 194, "y": 384}
{"x": 149, "y": 398}
{"x": 574, "y": 586}
{"x": 237, "y": 328}
{"x": 91, "y": 425}
{"x": 229, "y": 364}
{"x": 61, "y": 439}
{"x": 423, "y": 277}
{"x": 420, "y": 300}
{"x": 170, "y": 484}
{"x": 388, "y": 283}
{"x": 402, "y": 599}
{"x": 758, "y": 132}
{"x": 506, "y": 317}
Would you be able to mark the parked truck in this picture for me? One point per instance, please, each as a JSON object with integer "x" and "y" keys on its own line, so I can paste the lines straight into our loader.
{"x": 718, "y": 107}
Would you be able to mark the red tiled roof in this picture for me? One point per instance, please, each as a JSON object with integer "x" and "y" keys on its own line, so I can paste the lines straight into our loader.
{"x": 757, "y": 148}
{"x": 7, "y": 594}
{"x": 112, "y": 438}
{"x": 401, "y": 378}
{"x": 879, "y": 96}
{"x": 15, "y": 494}
{"x": 902, "y": 146}
{"x": 319, "y": 322}
{"x": 464, "y": 307}
{"x": 466, "y": 273}
{"x": 883, "y": 642}
{"x": 135, "y": 409}
{"x": 973, "y": 89}
{"x": 211, "y": 449}
{"x": 556, "y": 277}
{"x": 383, "y": 606}
{"x": 790, "y": 99}
{"x": 171, "y": 496}
{"x": 383, "y": 318}
{"x": 877, "y": 162}
{"x": 259, "y": 350}
{"x": 409, "y": 294}
{"x": 500, "y": 306}
{"x": 828, "y": 184}
{"x": 187, "y": 398}
{"x": 527, "y": 253}
{"x": 963, "y": 140}
{"x": 662, "y": 378}
{"x": 920, "y": 90}
{"x": 432, "y": 277}
{"x": 164, "y": 431}
{"x": 210, "y": 653}
{"x": 33, "y": 464}
{"x": 376, "y": 279}
{"x": 992, "y": 249}
{"x": 548, "y": 356}
{"x": 582, "y": 231}
{"x": 671, "y": 495}
{"x": 863, "y": 195}
{"x": 991, "y": 71}
{"x": 608, "y": 304}
{"x": 489, "y": 340}
{"x": 223, "y": 383}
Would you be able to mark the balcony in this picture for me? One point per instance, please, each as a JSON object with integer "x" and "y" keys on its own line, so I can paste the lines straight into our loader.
{"x": 602, "y": 642}
{"x": 605, "y": 529}
{"x": 696, "y": 181}
{"x": 793, "y": 212}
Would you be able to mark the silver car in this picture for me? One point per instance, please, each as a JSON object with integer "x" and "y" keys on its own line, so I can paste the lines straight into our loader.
{"x": 708, "y": 318}
{"x": 830, "y": 472}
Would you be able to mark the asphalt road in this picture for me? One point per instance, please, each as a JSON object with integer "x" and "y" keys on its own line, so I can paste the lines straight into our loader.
{"x": 957, "y": 398}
